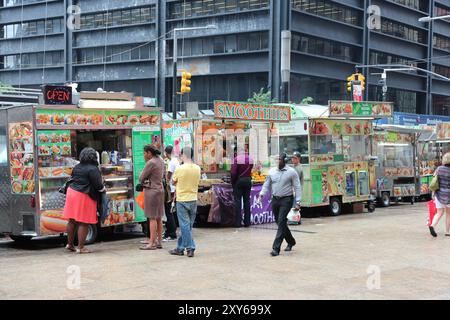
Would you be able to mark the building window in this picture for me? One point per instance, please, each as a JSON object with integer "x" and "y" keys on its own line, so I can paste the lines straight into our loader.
{"x": 328, "y": 10}
{"x": 402, "y": 31}
{"x": 31, "y": 28}
{"x": 441, "y": 42}
{"x": 198, "y": 8}
{"x": 32, "y": 60}
{"x": 122, "y": 53}
{"x": 323, "y": 47}
{"x": 414, "y": 4}
{"x": 385, "y": 58}
{"x": 118, "y": 18}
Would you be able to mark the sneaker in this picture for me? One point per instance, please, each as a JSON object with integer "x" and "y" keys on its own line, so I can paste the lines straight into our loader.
{"x": 169, "y": 239}
{"x": 176, "y": 252}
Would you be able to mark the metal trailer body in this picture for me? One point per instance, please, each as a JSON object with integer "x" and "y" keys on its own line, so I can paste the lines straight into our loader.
{"x": 18, "y": 214}
{"x": 333, "y": 181}
{"x": 397, "y": 164}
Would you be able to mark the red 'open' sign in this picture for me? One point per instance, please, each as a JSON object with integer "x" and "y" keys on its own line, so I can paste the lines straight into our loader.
{"x": 57, "y": 95}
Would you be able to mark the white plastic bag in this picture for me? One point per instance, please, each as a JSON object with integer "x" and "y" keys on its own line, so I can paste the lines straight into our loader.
{"x": 294, "y": 216}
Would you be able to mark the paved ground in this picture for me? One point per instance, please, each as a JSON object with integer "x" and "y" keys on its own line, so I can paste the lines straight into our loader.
{"x": 331, "y": 261}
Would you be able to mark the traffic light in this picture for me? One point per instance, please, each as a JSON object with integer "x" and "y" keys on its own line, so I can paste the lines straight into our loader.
{"x": 350, "y": 82}
{"x": 362, "y": 79}
{"x": 186, "y": 82}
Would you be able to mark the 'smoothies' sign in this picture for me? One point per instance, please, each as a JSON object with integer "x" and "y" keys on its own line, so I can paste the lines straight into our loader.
{"x": 251, "y": 112}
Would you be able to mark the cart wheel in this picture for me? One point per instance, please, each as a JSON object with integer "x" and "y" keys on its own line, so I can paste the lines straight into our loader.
{"x": 385, "y": 199}
{"x": 371, "y": 207}
{"x": 413, "y": 200}
{"x": 92, "y": 234}
{"x": 335, "y": 206}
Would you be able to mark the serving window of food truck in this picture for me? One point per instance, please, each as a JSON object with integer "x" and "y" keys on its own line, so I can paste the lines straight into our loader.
{"x": 397, "y": 169}
{"x": 42, "y": 162}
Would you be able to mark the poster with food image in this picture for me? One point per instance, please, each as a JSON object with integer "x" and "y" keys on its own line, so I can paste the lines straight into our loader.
{"x": 55, "y": 172}
{"x": 54, "y": 142}
{"x": 52, "y": 222}
{"x": 21, "y": 158}
{"x": 362, "y": 109}
{"x": 336, "y": 181}
{"x": 51, "y": 117}
{"x": 340, "y": 127}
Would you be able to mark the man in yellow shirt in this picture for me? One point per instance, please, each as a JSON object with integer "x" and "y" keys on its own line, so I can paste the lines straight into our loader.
{"x": 186, "y": 178}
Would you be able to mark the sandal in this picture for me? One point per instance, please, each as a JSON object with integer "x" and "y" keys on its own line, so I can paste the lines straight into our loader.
{"x": 83, "y": 251}
{"x": 149, "y": 247}
{"x": 159, "y": 246}
{"x": 71, "y": 248}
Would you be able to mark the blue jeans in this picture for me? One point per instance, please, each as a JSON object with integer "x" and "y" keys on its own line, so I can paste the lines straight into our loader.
{"x": 186, "y": 212}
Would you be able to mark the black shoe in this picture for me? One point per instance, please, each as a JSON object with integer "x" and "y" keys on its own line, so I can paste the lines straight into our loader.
{"x": 190, "y": 253}
{"x": 176, "y": 252}
{"x": 247, "y": 226}
{"x": 289, "y": 247}
{"x": 274, "y": 253}
{"x": 433, "y": 233}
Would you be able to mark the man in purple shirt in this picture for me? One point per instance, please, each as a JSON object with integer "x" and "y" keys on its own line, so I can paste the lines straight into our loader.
{"x": 241, "y": 179}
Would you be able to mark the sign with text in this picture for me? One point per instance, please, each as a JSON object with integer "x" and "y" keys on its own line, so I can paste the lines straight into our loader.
{"x": 361, "y": 109}
{"x": 251, "y": 112}
{"x": 60, "y": 95}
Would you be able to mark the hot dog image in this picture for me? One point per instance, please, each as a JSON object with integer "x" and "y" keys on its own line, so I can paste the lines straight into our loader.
{"x": 53, "y": 221}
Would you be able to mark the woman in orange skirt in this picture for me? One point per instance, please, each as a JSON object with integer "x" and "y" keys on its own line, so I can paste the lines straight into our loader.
{"x": 81, "y": 199}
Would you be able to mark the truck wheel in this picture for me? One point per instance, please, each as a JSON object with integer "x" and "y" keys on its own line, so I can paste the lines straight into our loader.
{"x": 385, "y": 199}
{"x": 335, "y": 207}
{"x": 371, "y": 207}
{"x": 92, "y": 234}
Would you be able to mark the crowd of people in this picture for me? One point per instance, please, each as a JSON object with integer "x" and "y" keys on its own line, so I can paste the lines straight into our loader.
{"x": 170, "y": 188}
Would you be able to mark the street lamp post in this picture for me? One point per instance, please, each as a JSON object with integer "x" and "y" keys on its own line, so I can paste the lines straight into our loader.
{"x": 175, "y": 60}
{"x": 429, "y": 19}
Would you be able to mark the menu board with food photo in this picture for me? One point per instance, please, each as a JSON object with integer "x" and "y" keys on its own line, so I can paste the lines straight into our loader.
{"x": 340, "y": 127}
{"x": 74, "y": 118}
{"x": 21, "y": 158}
{"x": 363, "y": 109}
{"x": 54, "y": 142}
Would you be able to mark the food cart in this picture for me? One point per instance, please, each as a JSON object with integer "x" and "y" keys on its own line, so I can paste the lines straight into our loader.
{"x": 43, "y": 143}
{"x": 335, "y": 148}
{"x": 398, "y": 167}
{"x": 215, "y": 137}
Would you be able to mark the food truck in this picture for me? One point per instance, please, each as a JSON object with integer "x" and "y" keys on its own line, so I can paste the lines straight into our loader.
{"x": 335, "y": 145}
{"x": 215, "y": 137}
{"x": 397, "y": 166}
{"x": 42, "y": 144}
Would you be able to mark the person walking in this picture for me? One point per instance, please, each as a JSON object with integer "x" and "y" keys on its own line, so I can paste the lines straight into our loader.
{"x": 172, "y": 164}
{"x": 82, "y": 196}
{"x": 186, "y": 179}
{"x": 296, "y": 158}
{"x": 282, "y": 182}
{"x": 241, "y": 180}
{"x": 442, "y": 196}
{"x": 151, "y": 179}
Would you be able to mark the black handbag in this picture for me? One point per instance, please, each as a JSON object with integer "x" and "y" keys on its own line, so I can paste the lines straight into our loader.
{"x": 139, "y": 188}
{"x": 66, "y": 185}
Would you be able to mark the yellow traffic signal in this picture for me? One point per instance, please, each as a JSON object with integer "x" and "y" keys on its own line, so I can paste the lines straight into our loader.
{"x": 350, "y": 82}
{"x": 363, "y": 81}
{"x": 186, "y": 82}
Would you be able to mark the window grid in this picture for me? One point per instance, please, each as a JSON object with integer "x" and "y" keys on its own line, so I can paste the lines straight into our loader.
{"x": 329, "y": 10}
{"x": 199, "y": 8}
{"x": 31, "y": 28}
